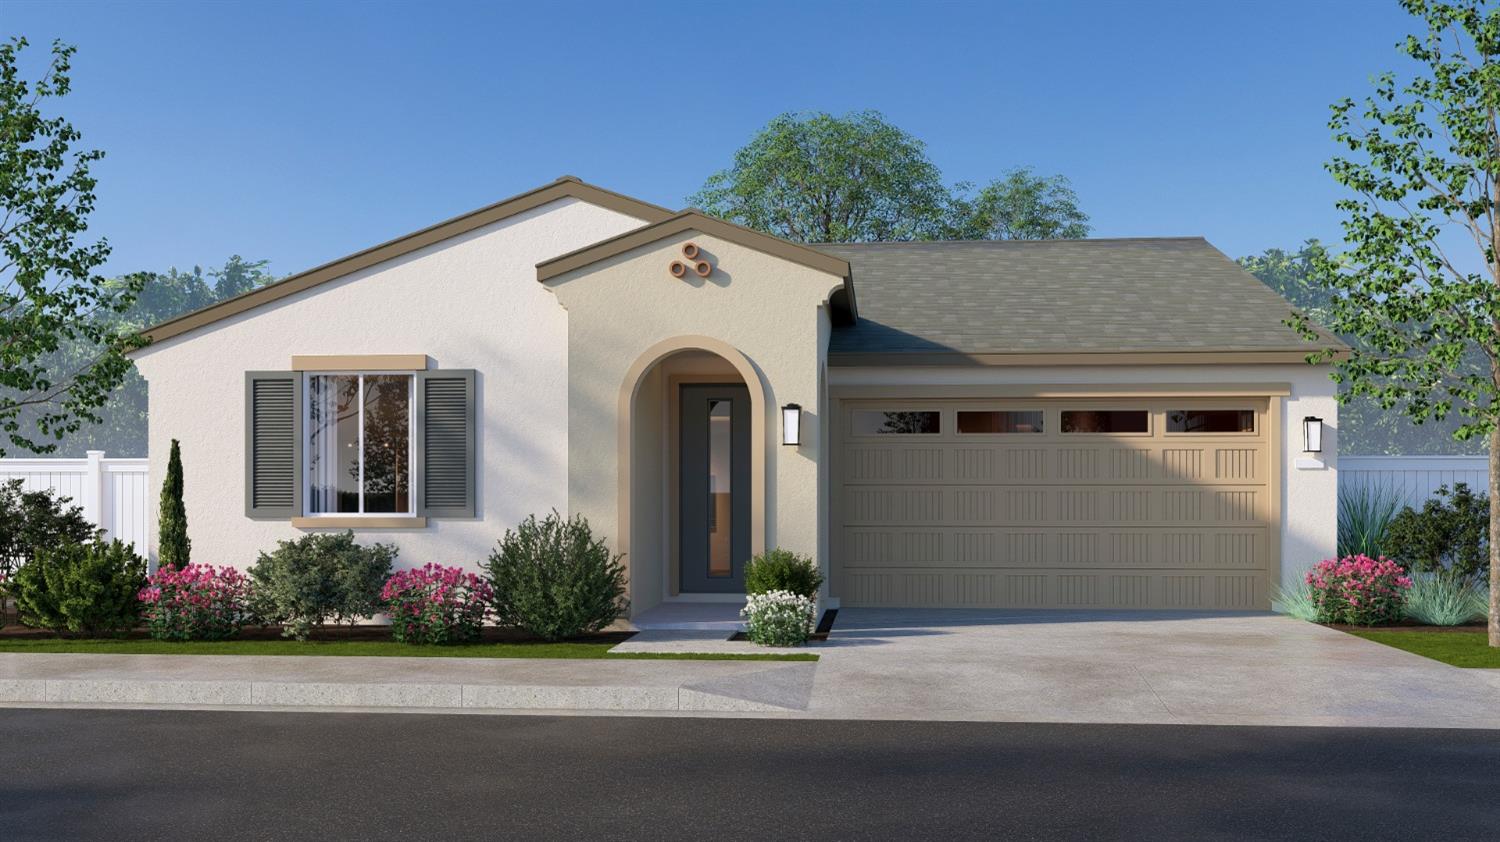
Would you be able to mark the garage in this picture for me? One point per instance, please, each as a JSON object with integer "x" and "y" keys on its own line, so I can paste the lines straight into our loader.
{"x": 1081, "y": 502}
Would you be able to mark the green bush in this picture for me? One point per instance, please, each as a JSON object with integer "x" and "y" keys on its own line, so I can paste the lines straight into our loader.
{"x": 1365, "y": 515}
{"x": 1443, "y": 599}
{"x": 305, "y": 583}
{"x": 32, "y": 520}
{"x": 778, "y": 618}
{"x": 1451, "y": 533}
{"x": 87, "y": 589}
{"x": 783, "y": 570}
{"x": 554, "y": 579}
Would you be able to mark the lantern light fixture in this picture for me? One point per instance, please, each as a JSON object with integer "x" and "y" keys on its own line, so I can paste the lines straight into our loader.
{"x": 1312, "y": 434}
{"x": 791, "y": 424}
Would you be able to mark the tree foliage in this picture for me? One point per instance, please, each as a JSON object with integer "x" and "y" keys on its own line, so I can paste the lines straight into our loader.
{"x": 51, "y": 297}
{"x": 1419, "y": 285}
{"x": 820, "y": 178}
{"x": 1364, "y": 426}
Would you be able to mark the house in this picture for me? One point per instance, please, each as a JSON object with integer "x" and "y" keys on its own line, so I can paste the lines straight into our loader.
{"x": 1087, "y": 423}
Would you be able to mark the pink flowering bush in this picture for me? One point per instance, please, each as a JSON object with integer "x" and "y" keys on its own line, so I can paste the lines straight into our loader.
{"x": 436, "y": 604}
{"x": 197, "y": 602}
{"x": 1358, "y": 590}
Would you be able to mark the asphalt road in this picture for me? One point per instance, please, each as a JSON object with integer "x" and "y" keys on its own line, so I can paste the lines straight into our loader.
{"x": 127, "y": 775}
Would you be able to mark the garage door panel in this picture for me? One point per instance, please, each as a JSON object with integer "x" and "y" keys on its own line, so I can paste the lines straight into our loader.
{"x": 1156, "y": 519}
{"x": 1073, "y": 589}
{"x": 1058, "y": 548}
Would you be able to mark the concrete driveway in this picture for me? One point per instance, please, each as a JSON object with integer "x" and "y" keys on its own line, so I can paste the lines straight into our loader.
{"x": 1220, "y": 668}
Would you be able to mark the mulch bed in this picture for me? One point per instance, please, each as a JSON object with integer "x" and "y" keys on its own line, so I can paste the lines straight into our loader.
{"x": 1407, "y": 626}
{"x": 361, "y": 633}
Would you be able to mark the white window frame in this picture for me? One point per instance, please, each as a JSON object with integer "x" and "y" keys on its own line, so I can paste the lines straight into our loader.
{"x": 411, "y": 442}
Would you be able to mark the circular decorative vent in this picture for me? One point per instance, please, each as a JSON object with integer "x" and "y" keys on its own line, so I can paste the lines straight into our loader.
{"x": 690, "y": 251}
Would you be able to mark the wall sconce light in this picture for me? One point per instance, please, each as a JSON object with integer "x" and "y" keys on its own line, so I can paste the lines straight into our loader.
{"x": 791, "y": 424}
{"x": 1312, "y": 434}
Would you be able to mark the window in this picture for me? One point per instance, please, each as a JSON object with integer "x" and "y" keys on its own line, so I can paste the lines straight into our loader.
{"x": 896, "y": 422}
{"x": 998, "y": 421}
{"x": 359, "y": 450}
{"x": 1211, "y": 421}
{"x": 1105, "y": 421}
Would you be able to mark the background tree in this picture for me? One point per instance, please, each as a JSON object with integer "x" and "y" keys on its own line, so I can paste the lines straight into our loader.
{"x": 173, "y": 546}
{"x": 1022, "y": 206}
{"x": 50, "y": 295}
{"x": 1365, "y": 427}
{"x": 817, "y": 178}
{"x": 1419, "y": 286}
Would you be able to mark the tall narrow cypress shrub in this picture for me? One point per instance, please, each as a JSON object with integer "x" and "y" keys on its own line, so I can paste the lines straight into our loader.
{"x": 173, "y": 546}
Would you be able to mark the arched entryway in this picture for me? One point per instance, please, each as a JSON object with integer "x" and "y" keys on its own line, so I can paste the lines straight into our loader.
{"x": 692, "y": 478}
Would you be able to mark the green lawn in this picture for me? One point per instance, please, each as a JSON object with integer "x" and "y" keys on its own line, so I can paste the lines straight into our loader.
{"x": 1460, "y": 649}
{"x": 373, "y": 648}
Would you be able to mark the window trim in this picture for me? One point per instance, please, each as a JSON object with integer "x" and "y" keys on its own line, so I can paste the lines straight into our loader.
{"x": 1041, "y": 411}
{"x": 361, "y": 518}
{"x": 896, "y": 436}
{"x": 1255, "y": 423}
{"x": 1146, "y": 433}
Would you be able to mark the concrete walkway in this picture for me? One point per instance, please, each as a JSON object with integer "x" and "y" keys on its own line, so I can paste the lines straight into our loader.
{"x": 1247, "y": 669}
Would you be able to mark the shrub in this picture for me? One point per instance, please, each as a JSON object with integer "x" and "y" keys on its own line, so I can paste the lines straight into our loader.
{"x": 196, "y": 602}
{"x": 1296, "y": 601}
{"x": 1443, "y": 599}
{"x": 32, "y": 520}
{"x": 88, "y": 589}
{"x": 305, "y": 583}
{"x": 783, "y": 570}
{"x": 435, "y": 604}
{"x": 1364, "y": 519}
{"x": 1358, "y": 590}
{"x": 778, "y": 618}
{"x": 554, "y": 579}
{"x": 173, "y": 547}
{"x": 1450, "y": 532}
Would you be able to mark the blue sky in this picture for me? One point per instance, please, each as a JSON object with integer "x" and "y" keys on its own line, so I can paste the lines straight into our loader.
{"x": 302, "y": 132}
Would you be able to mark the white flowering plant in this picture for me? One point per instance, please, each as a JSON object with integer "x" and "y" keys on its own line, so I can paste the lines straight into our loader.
{"x": 778, "y": 618}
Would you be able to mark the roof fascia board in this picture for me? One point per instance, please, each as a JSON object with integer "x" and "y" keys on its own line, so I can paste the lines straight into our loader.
{"x": 563, "y": 188}
{"x": 929, "y": 358}
{"x": 693, "y": 220}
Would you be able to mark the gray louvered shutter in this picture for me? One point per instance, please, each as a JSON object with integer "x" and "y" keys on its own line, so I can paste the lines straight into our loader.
{"x": 445, "y": 443}
{"x": 273, "y": 444}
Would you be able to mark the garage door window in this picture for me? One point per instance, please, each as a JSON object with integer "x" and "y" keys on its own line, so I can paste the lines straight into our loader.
{"x": 896, "y": 422}
{"x": 1211, "y": 421}
{"x": 1105, "y": 421}
{"x": 998, "y": 421}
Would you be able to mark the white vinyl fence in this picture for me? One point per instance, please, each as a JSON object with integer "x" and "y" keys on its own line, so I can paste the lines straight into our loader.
{"x": 1414, "y": 477}
{"x": 113, "y": 493}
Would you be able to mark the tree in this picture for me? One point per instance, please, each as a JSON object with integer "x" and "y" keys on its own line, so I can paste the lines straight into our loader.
{"x": 50, "y": 294}
{"x": 1364, "y": 426}
{"x": 817, "y": 178}
{"x": 1022, "y": 206}
{"x": 238, "y": 276}
{"x": 1419, "y": 286}
{"x": 173, "y": 546}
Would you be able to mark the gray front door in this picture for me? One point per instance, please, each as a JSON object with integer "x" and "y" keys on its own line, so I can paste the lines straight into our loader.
{"x": 714, "y": 488}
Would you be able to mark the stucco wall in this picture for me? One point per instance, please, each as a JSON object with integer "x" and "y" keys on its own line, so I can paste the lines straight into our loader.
{"x": 764, "y": 307}
{"x": 469, "y": 302}
{"x": 1309, "y": 516}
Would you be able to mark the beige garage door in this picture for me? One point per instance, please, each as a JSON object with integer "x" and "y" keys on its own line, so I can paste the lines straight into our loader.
{"x": 1160, "y": 503}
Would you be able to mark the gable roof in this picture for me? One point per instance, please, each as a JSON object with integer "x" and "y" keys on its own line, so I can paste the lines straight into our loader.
{"x": 993, "y": 301}
{"x": 693, "y": 219}
{"x": 564, "y": 187}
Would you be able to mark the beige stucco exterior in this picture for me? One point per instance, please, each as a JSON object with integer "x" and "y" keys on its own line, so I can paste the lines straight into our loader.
{"x": 470, "y": 301}
{"x": 625, "y": 315}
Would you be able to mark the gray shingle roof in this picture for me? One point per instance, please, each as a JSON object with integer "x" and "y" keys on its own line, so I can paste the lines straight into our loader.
{"x": 1052, "y": 296}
